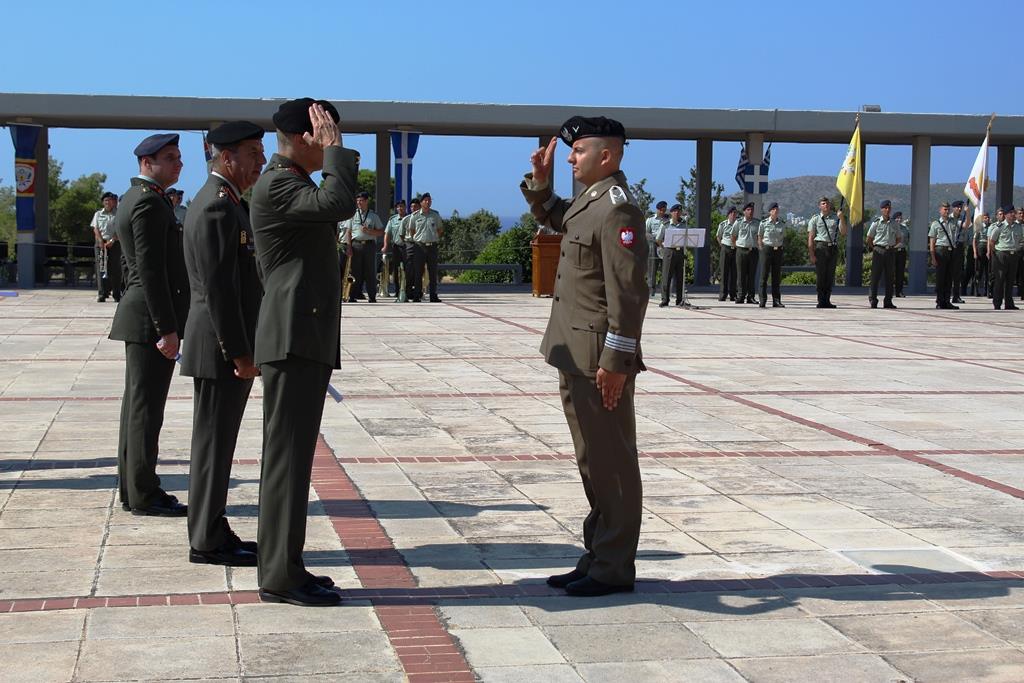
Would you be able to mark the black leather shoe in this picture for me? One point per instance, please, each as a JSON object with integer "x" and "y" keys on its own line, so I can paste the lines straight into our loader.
{"x": 762, "y": 305}
{"x": 663, "y": 304}
{"x": 958, "y": 300}
{"x": 997, "y": 307}
{"x": 751, "y": 300}
{"x": 235, "y": 541}
{"x": 128, "y": 508}
{"x": 738, "y": 301}
{"x": 778, "y": 304}
{"x": 874, "y": 304}
{"x": 435, "y": 300}
{"x": 588, "y": 587}
{"x": 1012, "y": 307}
{"x": 721, "y": 298}
{"x": 100, "y": 299}
{"x": 228, "y": 555}
{"x": 168, "y": 506}
{"x": 889, "y": 306}
{"x": 373, "y": 301}
{"x": 830, "y": 305}
{"x": 309, "y": 595}
{"x": 322, "y": 581}
{"x": 563, "y": 580}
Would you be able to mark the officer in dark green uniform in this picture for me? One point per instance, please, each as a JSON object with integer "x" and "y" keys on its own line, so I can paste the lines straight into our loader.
{"x": 150, "y": 320}
{"x": 298, "y": 334}
{"x": 593, "y": 338}
{"x": 221, "y": 260}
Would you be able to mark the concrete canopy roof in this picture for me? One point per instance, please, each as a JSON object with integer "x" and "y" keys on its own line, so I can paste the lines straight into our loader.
{"x": 511, "y": 120}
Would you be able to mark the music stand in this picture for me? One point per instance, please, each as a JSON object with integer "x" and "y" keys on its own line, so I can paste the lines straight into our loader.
{"x": 685, "y": 237}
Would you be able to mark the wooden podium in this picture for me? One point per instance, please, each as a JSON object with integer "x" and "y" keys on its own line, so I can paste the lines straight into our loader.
{"x": 546, "y": 251}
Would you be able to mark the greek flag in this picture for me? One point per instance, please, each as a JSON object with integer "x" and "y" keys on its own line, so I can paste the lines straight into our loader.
{"x": 741, "y": 166}
{"x": 404, "y": 144}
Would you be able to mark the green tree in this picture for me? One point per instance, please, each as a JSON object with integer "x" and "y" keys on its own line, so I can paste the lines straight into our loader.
{"x": 643, "y": 198}
{"x": 8, "y": 224}
{"x": 367, "y": 182}
{"x": 687, "y": 196}
{"x": 511, "y": 246}
{"x": 465, "y": 238}
{"x": 72, "y": 211}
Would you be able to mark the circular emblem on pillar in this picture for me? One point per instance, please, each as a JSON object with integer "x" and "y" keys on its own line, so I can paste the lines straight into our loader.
{"x": 25, "y": 176}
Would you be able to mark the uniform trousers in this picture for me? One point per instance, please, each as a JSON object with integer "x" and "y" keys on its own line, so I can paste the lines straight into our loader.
{"x": 957, "y": 270}
{"x": 147, "y": 379}
{"x": 746, "y": 267}
{"x": 218, "y": 405}
{"x": 396, "y": 264}
{"x": 653, "y": 261}
{"x": 672, "y": 273}
{"x": 606, "y": 454}
{"x": 981, "y": 284}
{"x": 825, "y": 259}
{"x": 967, "y": 275}
{"x": 413, "y": 287}
{"x": 111, "y": 282}
{"x": 425, "y": 254}
{"x": 900, "y": 271}
{"x": 1020, "y": 274}
{"x": 727, "y": 272}
{"x": 364, "y": 268}
{"x": 883, "y": 261}
{"x": 1006, "y": 274}
{"x": 943, "y": 275}
{"x": 771, "y": 264}
{"x": 293, "y": 405}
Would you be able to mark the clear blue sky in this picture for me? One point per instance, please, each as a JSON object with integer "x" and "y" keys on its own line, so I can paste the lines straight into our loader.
{"x": 905, "y": 56}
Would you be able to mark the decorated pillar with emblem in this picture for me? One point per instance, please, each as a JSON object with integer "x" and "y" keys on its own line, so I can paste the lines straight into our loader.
{"x": 30, "y": 141}
{"x": 404, "y": 143}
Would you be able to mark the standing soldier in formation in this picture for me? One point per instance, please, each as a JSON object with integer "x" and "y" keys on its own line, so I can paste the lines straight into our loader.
{"x": 179, "y": 211}
{"x": 394, "y": 246}
{"x": 941, "y": 243}
{"x": 297, "y": 336}
{"x": 1020, "y": 255}
{"x": 654, "y": 226}
{"x": 744, "y": 238}
{"x": 771, "y": 241}
{"x": 150, "y": 320}
{"x": 961, "y": 236}
{"x": 360, "y": 234}
{"x": 1005, "y": 242}
{"x": 672, "y": 258}
{"x": 413, "y": 287}
{"x": 727, "y": 256}
{"x": 823, "y": 233}
{"x": 979, "y": 250}
{"x": 221, "y": 260}
{"x": 593, "y": 338}
{"x": 108, "y": 249}
{"x": 902, "y": 249}
{"x": 425, "y": 229}
{"x": 883, "y": 238}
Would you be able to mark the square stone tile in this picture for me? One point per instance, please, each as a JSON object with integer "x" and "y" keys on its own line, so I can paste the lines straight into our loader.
{"x": 519, "y": 646}
{"x": 702, "y": 670}
{"x": 714, "y": 606}
{"x": 908, "y": 560}
{"x": 39, "y": 662}
{"x": 255, "y": 619}
{"x": 301, "y": 654}
{"x": 1007, "y": 624}
{"x": 160, "y": 580}
{"x": 842, "y": 600}
{"x": 981, "y": 595}
{"x": 772, "y": 638}
{"x": 978, "y": 666}
{"x": 904, "y": 632}
{"x": 492, "y": 614}
{"x": 157, "y": 659}
{"x": 179, "y": 621}
{"x": 638, "y": 642}
{"x": 541, "y": 673}
{"x": 766, "y": 540}
{"x": 863, "y": 667}
{"x": 46, "y": 584}
{"x": 610, "y": 609}
{"x": 41, "y": 627}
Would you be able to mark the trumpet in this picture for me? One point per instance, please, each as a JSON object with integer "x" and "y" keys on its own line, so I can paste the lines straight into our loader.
{"x": 401, "y": 283}
{"x": 103, "y": 259}
{"x": 346, "y": 276}
{"x": 384, "y": 276}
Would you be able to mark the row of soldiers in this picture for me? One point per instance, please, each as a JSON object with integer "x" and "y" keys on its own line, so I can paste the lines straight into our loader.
{"x": 407, "y": 245}
{"x": 969, "y": 256}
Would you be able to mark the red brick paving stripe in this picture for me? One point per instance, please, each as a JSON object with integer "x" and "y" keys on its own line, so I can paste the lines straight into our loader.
{"x": 961, "y": 474}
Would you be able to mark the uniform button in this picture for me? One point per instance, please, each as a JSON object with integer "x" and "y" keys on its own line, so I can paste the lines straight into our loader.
{"x": 314, "y": 309}
{"x": 590, "y": 325}
{"x": 576, "y": 237}
{"x": 556, "y": 298}
{"x": 559, "y": 276}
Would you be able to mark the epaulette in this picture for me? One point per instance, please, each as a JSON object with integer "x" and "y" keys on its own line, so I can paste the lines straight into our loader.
{"x": 618, "y": 195}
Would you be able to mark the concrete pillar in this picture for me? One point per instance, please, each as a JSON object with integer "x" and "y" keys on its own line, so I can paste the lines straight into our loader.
{"x": 1004, "y": 177}
{"x": 920, "y": 183}
{"x": 702, "y": 257}
{"x": 382, "y": 193}
{"x": 31, "y": 253}
{"x": 855, "y": 237}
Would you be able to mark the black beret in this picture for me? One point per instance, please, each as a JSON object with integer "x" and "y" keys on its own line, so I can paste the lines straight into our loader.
{"x": 155, "y": 143}
{"x": 293, "y": 115}
{"x": 415, "y": 200}
{"x": 594, "y": 127}
{"x": 661, "y": 205}
{"x": 957, "y": 203}
{"x": 1007, "y": 208}
{"x": 732, "y": 209}
{"x": 774, "y": 205}
{"x": 425, "y": 195}
{"x": 173, "y": 190}
{"x": 886, "y": 204}
{"x": 676, "y": 207}
{"x": 233, "y": 132}
{"x": 944, "y": 204}
{"x": 362, "y": 195}
{"x": 748, "y": 205}
{"x": 898, "y": 214}
{"x": 110, "y": 195}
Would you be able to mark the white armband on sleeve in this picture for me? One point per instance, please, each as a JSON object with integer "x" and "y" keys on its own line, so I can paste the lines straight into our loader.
{"x": 620, "y": 343}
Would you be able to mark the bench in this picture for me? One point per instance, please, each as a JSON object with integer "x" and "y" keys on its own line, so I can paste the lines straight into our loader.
{"x": 515, "y": 268}
{"x": 68, "y": 260}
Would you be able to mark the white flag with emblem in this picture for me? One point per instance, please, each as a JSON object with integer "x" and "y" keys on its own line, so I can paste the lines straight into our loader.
{"x": 978, "y": 182}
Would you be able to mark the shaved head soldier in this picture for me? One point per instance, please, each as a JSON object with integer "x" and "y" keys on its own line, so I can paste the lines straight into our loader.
{"x": 593, "y": 338}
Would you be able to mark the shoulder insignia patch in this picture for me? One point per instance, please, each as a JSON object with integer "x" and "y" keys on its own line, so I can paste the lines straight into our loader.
{"x": 243, "y": 237}
{"x": 627, "y": 236}
{"x": 617, "y": 195}
{"x": 222, "y": 192}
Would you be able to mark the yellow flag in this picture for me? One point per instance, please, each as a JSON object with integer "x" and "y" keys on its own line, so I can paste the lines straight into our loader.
{"x": 849, "y": 183}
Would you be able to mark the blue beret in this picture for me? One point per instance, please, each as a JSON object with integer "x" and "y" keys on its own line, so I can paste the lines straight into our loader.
{"x": 293, "y": 115}
{"x": 886, "y": 204}
{"x": 579, "y": 127}
{"x": 661, "y": 205}
{"x": 677, "y": 207}
{"x": 957, "y": 203}
{"x": 155, "y": 143}
{"x": 1007, "y": 208}
{"x": 732, "y": 209}
{"x": 748, "y": 205}
{"x": 774, "y": 205}
{"x": 233, "y": 132}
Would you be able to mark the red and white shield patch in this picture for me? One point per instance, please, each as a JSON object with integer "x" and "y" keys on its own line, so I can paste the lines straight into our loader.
{"x": 626, "y": 237}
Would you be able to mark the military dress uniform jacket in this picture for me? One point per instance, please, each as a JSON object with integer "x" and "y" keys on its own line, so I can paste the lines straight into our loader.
{"x": 295, "y": 225}
{"x": 221, "y": 260}
{"x": 156, "y": 298}
{"x": 600, "y": 293}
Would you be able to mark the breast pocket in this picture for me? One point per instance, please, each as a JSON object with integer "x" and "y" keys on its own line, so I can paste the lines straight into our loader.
{"x": 581, "y": 250}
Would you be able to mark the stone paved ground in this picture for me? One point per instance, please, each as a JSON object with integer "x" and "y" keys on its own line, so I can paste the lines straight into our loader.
{"x": 829, "y": 496}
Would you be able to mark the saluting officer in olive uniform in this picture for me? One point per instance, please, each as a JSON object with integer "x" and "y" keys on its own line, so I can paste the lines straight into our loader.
{"x": 900, "y": 268}
{"x": 360, "y": 233}
{"x": 221, "y": 260}
{"x": 297, "y": 336}
{"x": 653, "y": 226}
{"x": 394, "y": 245}
{"x": 823, "y": 233}
{"x": 883, "y": 237}
{"x": 744, "y": 238}
{"x": 1005, "y": 241}
{"x": 727, "y": 256}
{"x": 771, "y": 238}
{"x": 150, "y": 320}
{"x": 941, "y": 242}
{"x": 425, "y": 228}
{"x": 593, "y": 338}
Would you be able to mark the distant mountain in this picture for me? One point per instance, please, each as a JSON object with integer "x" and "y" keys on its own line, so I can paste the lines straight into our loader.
{"x": 801, "y": 194}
